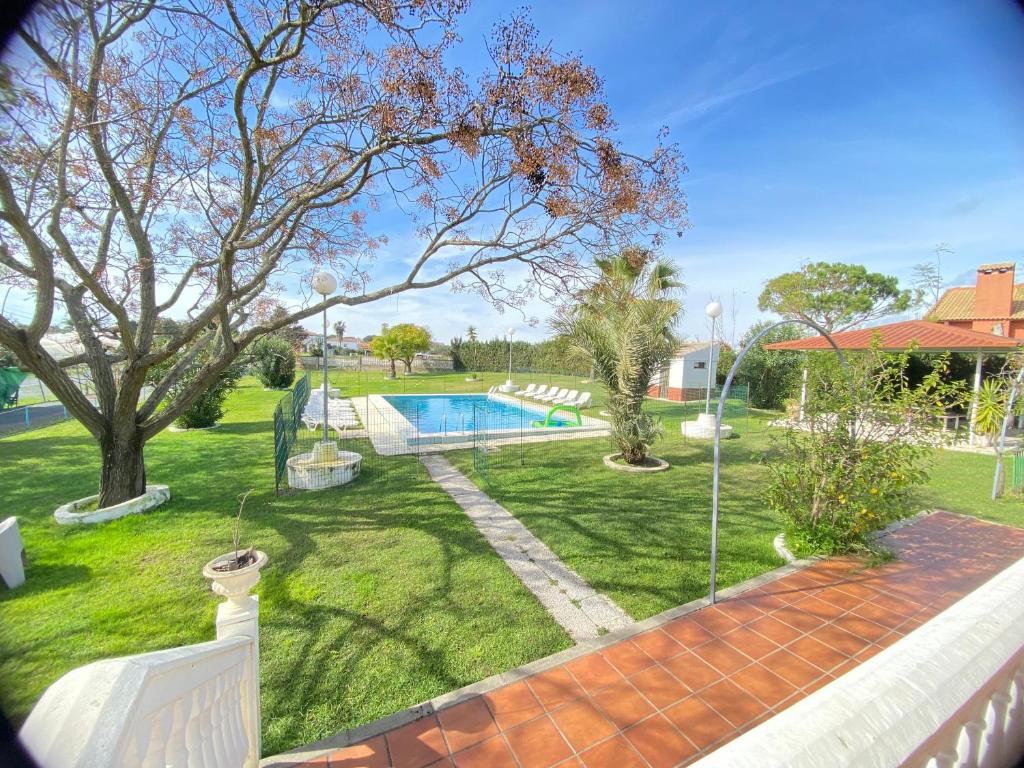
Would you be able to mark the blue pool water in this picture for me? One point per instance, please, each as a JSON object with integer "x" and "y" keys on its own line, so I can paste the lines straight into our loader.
{"x": 459, "y": 413}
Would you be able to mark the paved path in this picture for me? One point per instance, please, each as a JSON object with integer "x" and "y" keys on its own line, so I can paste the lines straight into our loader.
{"x": 683, "y": 683}
{"x": 582, "y": 611}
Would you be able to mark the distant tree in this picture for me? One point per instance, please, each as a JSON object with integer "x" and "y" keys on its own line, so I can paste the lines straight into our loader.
{"x": 726, "y": 357}
{"x": 471, "y": 333}
{"x": 927, "y": 279}
{"x": 368, "y": 338}
{"x": 408, "y": 340}
{"x": 292, "y": 332}
{"x": 316, "y": 349}
{"x": 771, "y": 375}
{"x": 339, "y": 330}
{"x": 274, "y": 361}
{"x": 836, "y": 296}
{"x": 384, "y": 347}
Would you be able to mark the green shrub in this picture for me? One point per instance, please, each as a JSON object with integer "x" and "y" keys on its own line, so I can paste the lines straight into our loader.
{"x": 274, "y": 362}
{"x": 862, "y": 450}
{"x": 208, "y": 409}
{"x": 772, "y": 376}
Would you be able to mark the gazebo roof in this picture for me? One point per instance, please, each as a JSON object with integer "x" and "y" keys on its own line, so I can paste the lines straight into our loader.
{"x": 929, "y": 337}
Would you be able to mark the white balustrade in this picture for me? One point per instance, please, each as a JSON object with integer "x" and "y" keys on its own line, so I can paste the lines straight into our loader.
{"x": 196, "y": 706}
{"x": 949, "y": 694}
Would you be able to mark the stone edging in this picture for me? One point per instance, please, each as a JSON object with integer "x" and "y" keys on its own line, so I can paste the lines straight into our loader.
{"x": 609, "y": 461}
{"x": 154, "y": 496}
{"x": 299, "y": 755}
{"x": 173, "y": 428}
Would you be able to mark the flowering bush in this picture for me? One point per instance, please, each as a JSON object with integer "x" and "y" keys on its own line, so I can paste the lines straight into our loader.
{"x": 852, "y": 466}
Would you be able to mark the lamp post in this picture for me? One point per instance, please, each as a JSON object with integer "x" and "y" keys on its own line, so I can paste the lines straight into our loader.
{"x": 509, "y": 334}
{"x": 714, "y": 311}
{"x": 325, "y": 284}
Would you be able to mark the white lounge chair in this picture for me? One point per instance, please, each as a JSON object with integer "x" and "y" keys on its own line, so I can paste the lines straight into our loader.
{"x": 539, "y": 391}
{"x": 492, "y": 390}
{"x": 529, "y": 391}
{"x": 553, "y": 396}
{"x": 567, "y": 399}
{"x": 583, "y": 401}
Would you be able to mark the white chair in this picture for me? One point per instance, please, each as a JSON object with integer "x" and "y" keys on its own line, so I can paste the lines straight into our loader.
{"x": 539, "y": 391}
{"x": 529, "y": 391}
{"x": 553, "y": 396}
{"x": 583, "y": 401}
{"x": 12, "y": 552}
{"x": 567, "y": 400}
{"x": 492, "y": 390}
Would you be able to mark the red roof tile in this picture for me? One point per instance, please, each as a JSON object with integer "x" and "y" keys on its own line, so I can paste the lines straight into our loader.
{"x": 900, "y": 336}
{"x": 958, "y": 304}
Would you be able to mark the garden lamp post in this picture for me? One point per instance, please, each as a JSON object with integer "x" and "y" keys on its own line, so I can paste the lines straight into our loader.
{"x": 714, "y": 311}
{"x": 325, "y": 284}
{"x": 509, "y": 334}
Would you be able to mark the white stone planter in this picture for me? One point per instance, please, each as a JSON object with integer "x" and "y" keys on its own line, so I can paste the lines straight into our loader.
{"x": 69, "y": 513}
{"x": 609, "y": 461}
{"x": 704, "y": 428}
{"x": 174, "y": 428}
{"x": 234, "y": 585}
{"x": 324, "y": 467}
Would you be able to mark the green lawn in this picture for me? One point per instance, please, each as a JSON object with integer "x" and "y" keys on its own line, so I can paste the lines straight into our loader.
{"x": 644, "y": 540}
{"x": 377, "y": 595}
{"x": 962, "y": 482}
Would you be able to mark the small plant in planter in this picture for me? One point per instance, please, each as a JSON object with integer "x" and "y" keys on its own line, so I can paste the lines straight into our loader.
{"x": 236, "y": 572}
{"x": 240, "y": 558}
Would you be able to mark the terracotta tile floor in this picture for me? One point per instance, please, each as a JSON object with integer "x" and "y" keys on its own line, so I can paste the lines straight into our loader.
{"x": 667, "y": 696}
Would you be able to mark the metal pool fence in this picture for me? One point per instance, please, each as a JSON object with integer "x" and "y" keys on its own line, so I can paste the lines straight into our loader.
{"x": 287, "y": 420}
{"x": 1017, "y": 470}
{"x": 26, "y": 417}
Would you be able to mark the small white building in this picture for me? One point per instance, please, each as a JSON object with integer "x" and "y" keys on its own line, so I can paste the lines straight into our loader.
{"x": 686, "y": 377}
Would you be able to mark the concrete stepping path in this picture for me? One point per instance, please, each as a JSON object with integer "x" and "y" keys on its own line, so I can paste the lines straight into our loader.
{"x": 582, "y": 611}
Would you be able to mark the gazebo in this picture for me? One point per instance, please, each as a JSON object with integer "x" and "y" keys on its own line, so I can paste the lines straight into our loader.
{"x": 897, "y": 337}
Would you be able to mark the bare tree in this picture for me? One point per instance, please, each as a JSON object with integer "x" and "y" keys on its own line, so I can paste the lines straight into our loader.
{"x": 927, "y": 279}
{"x": 190, "y": 157}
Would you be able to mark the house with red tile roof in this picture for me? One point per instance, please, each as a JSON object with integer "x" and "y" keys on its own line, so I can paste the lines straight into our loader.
{"x": 994, "y": 304}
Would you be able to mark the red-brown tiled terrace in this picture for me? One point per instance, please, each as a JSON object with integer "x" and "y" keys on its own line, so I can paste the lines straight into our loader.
{"x": 668, "y": 695}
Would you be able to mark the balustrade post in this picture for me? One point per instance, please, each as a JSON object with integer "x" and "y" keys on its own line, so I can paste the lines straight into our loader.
{"x": 238, "y": 616}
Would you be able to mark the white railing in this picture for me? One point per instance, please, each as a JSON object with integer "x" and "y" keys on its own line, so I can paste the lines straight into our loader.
{"x": 195, "y": 706}
{"x": 951, "y": 693}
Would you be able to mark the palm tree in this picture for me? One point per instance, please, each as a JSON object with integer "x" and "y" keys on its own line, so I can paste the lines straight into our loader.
{"x": 471, "y": 333}
{"x": 625, "y": 325}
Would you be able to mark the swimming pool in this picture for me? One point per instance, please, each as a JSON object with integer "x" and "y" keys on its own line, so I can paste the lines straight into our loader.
{"x": 462, "y": 413}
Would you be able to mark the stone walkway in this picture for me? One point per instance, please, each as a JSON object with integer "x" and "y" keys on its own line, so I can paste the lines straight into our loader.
{"x": 583, "y": 612}
{"x": 679, "y": 686}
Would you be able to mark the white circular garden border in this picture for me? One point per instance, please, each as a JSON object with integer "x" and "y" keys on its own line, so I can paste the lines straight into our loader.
{"x": 68, "y": 514}
{"x": 609, "y": 461}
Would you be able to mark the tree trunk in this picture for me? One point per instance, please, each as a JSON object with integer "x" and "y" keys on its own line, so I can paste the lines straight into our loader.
{"x": 123, "y": 472}
{"x": 408, "y": 365}
{"x": 393, "y": 373}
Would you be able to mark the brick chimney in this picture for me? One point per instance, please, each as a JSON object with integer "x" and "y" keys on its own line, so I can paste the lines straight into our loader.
{"x": 993, "y": 296}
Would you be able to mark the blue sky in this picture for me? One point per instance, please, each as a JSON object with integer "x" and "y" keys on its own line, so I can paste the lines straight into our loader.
{"x": 864, "y": 132}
